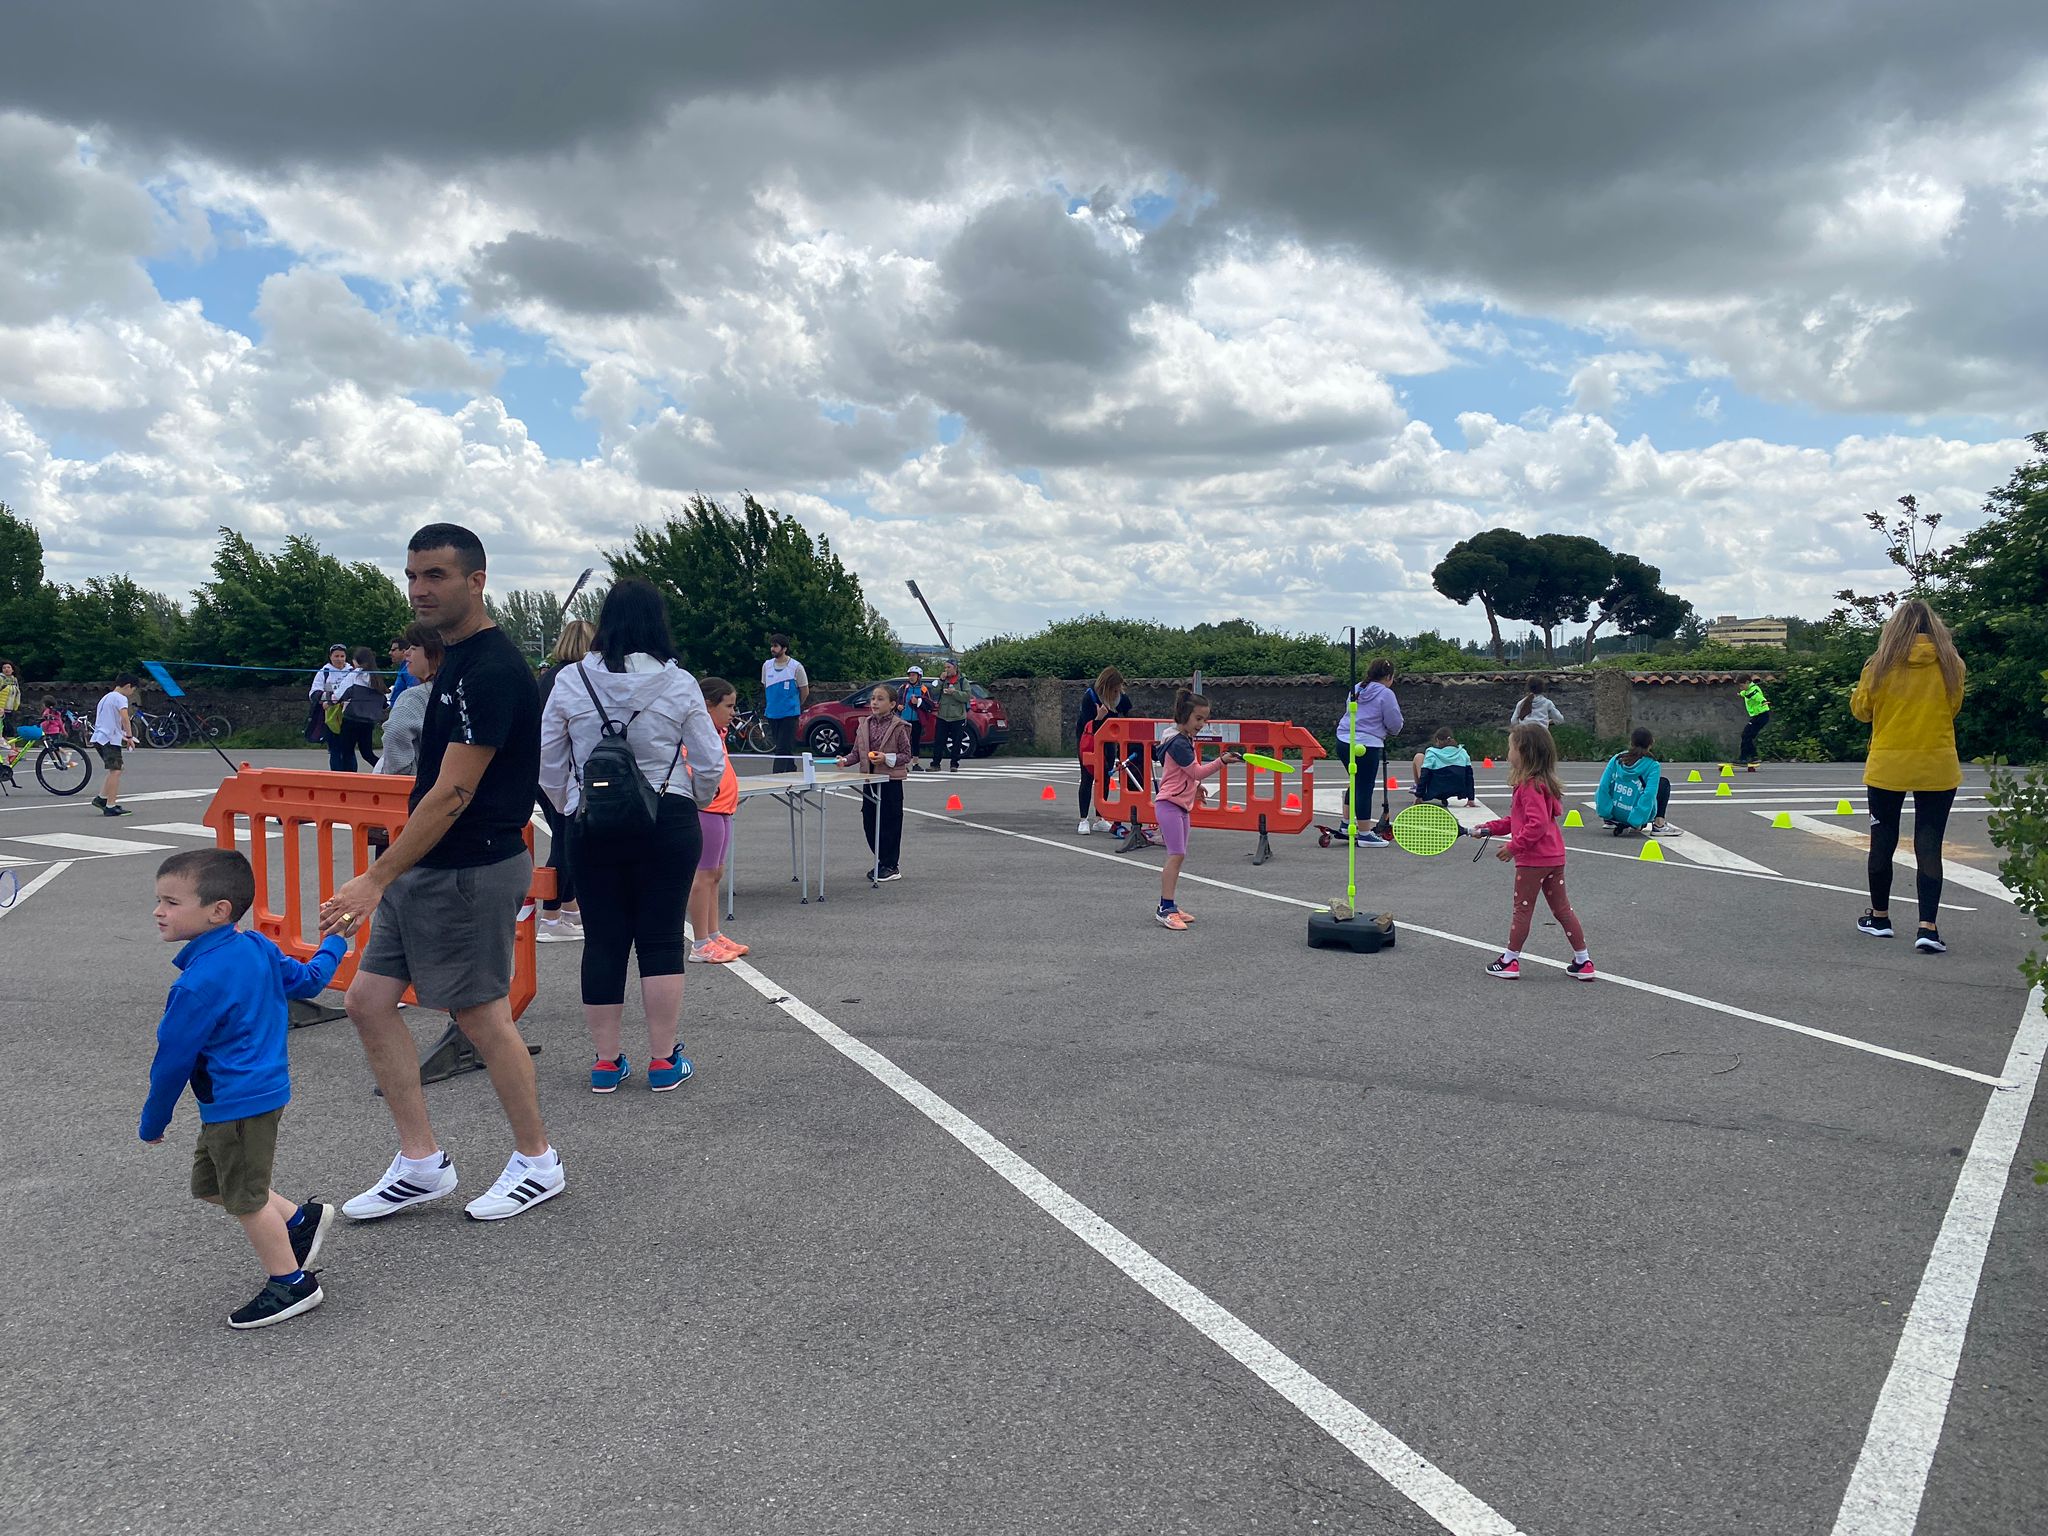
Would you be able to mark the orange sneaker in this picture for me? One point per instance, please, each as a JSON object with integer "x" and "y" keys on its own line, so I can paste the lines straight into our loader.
{"x": 734, "y": 945}
{"x": 1173, "y": 920}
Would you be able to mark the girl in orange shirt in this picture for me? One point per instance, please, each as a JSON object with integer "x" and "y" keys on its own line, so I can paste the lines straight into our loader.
{"x": 711, "y": 946}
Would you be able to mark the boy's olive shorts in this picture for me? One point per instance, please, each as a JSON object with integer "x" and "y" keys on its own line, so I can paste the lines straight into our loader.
{"x": 232, "y": 1162}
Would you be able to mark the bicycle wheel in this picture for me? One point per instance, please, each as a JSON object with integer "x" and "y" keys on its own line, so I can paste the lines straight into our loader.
{"x": 215, "y": 728}
{"x": 758, "y": 737}
{"x": 162, "y": 731}
{"x": 63, "y": 768}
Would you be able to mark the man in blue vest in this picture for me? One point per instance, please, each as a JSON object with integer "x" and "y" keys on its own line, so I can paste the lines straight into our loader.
{"x": 785, "y": 690}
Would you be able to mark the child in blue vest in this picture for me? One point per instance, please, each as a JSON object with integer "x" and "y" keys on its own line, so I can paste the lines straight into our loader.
{"x": 223, "y": 1034}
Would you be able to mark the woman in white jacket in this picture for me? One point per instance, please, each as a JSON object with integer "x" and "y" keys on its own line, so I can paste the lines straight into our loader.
{"x": 634, "y": 889}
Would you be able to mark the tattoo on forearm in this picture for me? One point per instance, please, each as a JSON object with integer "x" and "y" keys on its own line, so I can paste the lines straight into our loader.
{"x": 461, "y": 802}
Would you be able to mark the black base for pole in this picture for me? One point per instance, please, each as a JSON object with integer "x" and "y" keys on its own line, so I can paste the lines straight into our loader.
{"x": 1264, "y": 851}
{"x": 304, "y": 1012}
{"x": 1365, "y": 934}
{"x": 451, "y": 1056}
{"x": 1137, "y": 840}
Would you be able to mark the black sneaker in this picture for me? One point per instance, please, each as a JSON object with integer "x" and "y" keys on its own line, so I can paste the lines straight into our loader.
{"x": 1877, "y": 927}
{"x": 278, "y": 1301}
{"x": 309, "y": 1234}
{"x": 99, "y": 802}
{"x": 113, "y": 810}
{"x": 1929, "y": 941}
{"x": 889, "y": 872}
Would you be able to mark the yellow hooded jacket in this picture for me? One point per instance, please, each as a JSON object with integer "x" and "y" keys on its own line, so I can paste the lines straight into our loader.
{"x": 1912, "y": 719}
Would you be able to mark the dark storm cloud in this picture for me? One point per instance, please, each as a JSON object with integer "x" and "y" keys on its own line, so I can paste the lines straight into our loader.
{"x": 1031, "y": 282}
{"x": 567, "y": 275}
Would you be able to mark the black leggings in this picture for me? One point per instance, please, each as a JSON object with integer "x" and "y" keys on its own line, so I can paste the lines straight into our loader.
{"x": 633, "y": 892}
{"x": 1930, "y": 822}
{"x": 344, "y": 744}
{"x": 886, "y": 800}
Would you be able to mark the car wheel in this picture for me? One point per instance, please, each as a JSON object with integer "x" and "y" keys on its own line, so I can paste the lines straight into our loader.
{"x": 825, "y": 740}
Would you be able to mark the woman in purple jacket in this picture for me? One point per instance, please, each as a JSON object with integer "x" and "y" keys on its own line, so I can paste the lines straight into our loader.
{"x": 1379, "y": 721}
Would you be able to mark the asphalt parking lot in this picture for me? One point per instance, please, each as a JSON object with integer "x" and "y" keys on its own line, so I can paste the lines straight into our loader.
{"x": 995, "y": 1207}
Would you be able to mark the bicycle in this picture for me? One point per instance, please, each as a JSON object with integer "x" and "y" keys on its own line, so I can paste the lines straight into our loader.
{"x": 63, "y": 767}
{"x": 159, "y": 730}
{"x": 61, "y": 720}
{"x": 750, "y": 731}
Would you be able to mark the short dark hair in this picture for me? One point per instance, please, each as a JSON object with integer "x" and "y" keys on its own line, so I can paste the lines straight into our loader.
{"x": 469, "y": 549}
{"x": 716, "y": 688}
{"x": 426, "y": 638}
{"x": 778, "y": 638}
{"x": 219, "y": 874}
{"x": 127, "y": 680}
{"x": 633, "y": 618}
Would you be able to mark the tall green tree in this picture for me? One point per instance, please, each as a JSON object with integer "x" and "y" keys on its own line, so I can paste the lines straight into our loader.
{"x": 531, "y": 620}
{"x": 28, "y": 603}
{"x": 110, "y": 625}
{"x": 1635, "y": 603}
{"x": 732, "y": 578}
{"x": 284, "y": 610}
{"x": 1570, "y": 573}
{"x": 1498, "y": 568}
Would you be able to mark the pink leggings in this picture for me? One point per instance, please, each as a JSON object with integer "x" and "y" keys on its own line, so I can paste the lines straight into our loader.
{"x": 1549, "y": 879}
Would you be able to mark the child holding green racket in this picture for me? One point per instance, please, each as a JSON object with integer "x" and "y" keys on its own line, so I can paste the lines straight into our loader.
{"x": 1536, "y": 847}
{"x": 1180, "y": 779}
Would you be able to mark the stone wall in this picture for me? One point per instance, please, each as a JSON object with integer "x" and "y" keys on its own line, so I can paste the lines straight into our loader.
{"x": 1608, "y": 703}
{"x": 245, "y": 708}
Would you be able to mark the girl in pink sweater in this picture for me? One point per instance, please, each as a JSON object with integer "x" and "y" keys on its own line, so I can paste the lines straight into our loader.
{"x": 1181, "y": 774}
{"x": 1536, "y": 847}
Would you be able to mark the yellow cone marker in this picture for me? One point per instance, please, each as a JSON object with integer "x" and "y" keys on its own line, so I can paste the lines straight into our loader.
{"x": 1651, "y": 854}
{"x": 1727, "y": 770}
{"x": 1693, "y": 777}
{"x": 1844, "y": 808}
{"x": 1782, "y": 819}
{"x": 1574, "y": 819}
{"x": 1724, "y": 789}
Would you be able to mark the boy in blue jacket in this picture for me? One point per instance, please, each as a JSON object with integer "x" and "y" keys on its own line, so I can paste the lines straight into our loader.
{"x": 223, "y": 1033}
{"x": 1633, "y": 792}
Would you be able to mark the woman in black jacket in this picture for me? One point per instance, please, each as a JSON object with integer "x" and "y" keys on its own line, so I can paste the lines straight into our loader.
{"x": 1104, "y": 702}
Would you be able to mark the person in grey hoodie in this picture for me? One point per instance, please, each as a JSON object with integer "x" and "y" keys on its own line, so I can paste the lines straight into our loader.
{"x": 1535, "y": 708}
{"x": 634, "y": 891}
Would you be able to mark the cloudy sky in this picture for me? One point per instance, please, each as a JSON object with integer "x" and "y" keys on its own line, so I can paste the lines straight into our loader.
{"x": 1169, "y": 309}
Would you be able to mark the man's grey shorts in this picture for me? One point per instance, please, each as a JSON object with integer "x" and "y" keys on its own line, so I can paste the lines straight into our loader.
{"x": 449, "y": 931}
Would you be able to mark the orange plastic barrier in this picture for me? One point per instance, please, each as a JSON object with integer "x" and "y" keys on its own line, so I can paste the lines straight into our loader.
{"x": 293, "y": 798}
{"x": 1243, "y": 794}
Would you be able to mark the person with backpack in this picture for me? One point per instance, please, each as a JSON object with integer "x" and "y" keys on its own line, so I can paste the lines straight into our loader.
{"x": 628, "y": 752}
{"x": 356, "y": 707}
{"x": 1759, "y": 709}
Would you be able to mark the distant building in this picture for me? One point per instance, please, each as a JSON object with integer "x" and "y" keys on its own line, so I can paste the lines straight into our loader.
{"x": 1729, "y": 630}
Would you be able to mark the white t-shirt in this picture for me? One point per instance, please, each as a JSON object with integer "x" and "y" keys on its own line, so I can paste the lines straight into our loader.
{"x": 106, "y": 720}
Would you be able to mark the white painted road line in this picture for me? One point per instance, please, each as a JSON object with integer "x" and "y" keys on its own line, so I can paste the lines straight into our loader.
{"x": 187, "y": 829}
{"x": 1813, "y": 885}
{"x": 171, "y": 794}
{"x": 1411, "y": 1474}
{"x": 1708, "y": 1003}
{"x": 1697, "y": 850}
{"x": 35, "y": 885}
{"x": 79, "y": 842}
{"x": 1890, "y": 1478}
{"x": 1951, "y": 870}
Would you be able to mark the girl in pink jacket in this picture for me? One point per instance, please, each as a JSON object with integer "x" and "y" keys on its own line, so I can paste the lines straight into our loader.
{"x": 1536, "y": 846}
{"x": 1181, "y": 773}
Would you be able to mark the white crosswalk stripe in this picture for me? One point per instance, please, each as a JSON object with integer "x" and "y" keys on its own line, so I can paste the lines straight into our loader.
{"x": 79, "y": 842}
{"x": 1952, "y": 871}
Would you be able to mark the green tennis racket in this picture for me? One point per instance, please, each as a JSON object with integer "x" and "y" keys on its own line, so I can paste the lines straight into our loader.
{"x": 1426, "y": 830}
{"x": 1270, "y": 764}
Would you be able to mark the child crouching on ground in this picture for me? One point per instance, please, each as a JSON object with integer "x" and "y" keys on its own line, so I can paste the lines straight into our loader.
{"x": 711, "y": 945}
{"x": 223, "y": 1032}
{"x": 1536, "y": 846}
{"x": 1180, "y": 779}
{"x": 1444, "y": 770}
{"x": 1633, "y": 792}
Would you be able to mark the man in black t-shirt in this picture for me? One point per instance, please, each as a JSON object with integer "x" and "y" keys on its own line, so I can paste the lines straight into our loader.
{"x": 447, "y": 893}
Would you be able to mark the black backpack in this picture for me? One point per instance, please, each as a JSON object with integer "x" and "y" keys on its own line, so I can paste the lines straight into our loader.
{"x": 618, "y": 802}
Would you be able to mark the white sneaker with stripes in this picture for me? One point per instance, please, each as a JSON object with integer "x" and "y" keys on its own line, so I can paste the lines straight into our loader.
{"x": 401, "y": 1187}
{"x": 523, "y": 1184}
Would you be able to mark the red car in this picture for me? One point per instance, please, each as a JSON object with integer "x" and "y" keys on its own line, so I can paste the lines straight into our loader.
{"x": 824, "y": 730}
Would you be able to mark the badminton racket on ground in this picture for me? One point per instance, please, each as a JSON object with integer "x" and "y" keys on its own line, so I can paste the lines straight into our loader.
{"x": 10, "y": 887}
{"x": 1426, "y": 830}
{"x": 1270, "y": 764}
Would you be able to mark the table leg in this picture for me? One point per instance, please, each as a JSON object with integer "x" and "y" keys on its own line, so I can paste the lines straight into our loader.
{"x": 790, "y": 803}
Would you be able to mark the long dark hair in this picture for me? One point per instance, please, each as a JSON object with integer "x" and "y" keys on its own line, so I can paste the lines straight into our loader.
{"x": 634, "y": 618}
{"x": 1537, "y": 687}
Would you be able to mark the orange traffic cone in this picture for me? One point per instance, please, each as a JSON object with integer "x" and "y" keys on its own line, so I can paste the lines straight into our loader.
{"x": 1392, "y": 782}
{"x": 1294, "y": 802}
{"x": 1487, "y": 764}
{"x": 953, "y": 803}
{"x": 1048, "y": 793}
